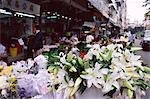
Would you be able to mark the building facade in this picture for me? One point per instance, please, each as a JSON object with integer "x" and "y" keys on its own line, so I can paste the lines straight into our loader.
{"x": 122, "y": 13}
{"x": 114, "y": 10}
{"x": 147, "y": 21}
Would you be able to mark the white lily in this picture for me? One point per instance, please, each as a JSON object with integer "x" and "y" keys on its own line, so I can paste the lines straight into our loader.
{"x": 57, "y": 78}
{"x": 19, "y": 68}
{"x": 111, "y": 47}
{"x": 89, "y": 39}
{"x": 64, "y": 85}
{"x": 112, "y": 81}
{"x": 107, "y": 87}
{"x": 93, "y": 51}
{"x": 41, "y": 81}
{"x": 134, "y": 60}
{"x": 30, "y": 63}
{"x": 41, "y": 61}
{"x": 119, "y": 63}
{"x": 89, "y": 46}
{"x": 116, "y": 54}
{"x": 63, "y": 59}
{"x": 74, "y": 40}
{"x": 94, "y": 76}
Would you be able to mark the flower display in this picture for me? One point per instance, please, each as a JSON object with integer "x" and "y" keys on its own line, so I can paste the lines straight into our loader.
{"x": 112, "y": 69}
{"x": 108, "y": 68}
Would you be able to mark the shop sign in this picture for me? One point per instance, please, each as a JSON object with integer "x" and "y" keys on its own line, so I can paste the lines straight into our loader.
{"x": 22, "y": 6}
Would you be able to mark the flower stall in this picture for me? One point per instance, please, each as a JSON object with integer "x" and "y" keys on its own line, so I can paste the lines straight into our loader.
{"x": 109, "y": 71}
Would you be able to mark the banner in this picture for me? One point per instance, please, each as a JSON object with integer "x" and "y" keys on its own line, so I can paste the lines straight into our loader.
{"x": 22, "y": 6}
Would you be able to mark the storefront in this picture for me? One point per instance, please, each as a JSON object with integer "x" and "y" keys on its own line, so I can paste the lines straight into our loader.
{"x": 16, "y": 21}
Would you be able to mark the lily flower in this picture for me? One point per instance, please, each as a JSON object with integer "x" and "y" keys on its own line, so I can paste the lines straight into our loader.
{"x": 89, "y": 39}
{"x": 134, "y": 60}
{"x": 94, "y": 76}
{"x": 93, "y": 51}
{"x": 41, "y": 61}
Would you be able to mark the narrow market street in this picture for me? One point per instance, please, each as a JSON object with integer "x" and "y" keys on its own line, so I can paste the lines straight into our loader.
{"x": 74, "y": 49}
{"x": 146, "y": 59}
{"x": 145, "y": 54}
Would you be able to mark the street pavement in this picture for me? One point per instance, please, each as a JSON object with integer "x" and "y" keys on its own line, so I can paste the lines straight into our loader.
{"x": 146, "y": 59}
{"x": 145, "y": 54}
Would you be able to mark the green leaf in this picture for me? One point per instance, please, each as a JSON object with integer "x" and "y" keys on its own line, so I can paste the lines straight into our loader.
{"x": 86, "y": 65}
{"x": 102, "y": 55}
{"x": 128, "y": 85}
{"x": 109, "y": 55}
{"x": 106, "y": 50}
{"x": 146, "y": 69}
{"x": 80, "y": 61}
{"x": 70, "y": 56}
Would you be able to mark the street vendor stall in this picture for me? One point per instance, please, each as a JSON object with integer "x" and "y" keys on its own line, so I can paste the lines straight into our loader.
{"x": 105, "y": 72}
{"x": 16, "y": 20}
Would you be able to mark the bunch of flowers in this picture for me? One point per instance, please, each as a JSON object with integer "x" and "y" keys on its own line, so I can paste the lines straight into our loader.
{"x": 18, "y": 80}
{"x": 110, "y": 68}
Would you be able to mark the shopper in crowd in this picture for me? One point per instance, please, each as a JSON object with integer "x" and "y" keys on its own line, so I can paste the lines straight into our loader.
{"x": 30, "y": 46}
{"x": 48, "y": 39}
{"x": 38, "y": 41}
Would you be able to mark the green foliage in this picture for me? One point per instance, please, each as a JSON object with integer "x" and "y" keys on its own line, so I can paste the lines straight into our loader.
{"x": 142, "y": 84}
{"x": 82, "y": 47}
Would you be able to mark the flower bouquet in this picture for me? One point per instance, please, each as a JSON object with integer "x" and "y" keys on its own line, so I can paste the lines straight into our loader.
{"x": 111, "y": 69}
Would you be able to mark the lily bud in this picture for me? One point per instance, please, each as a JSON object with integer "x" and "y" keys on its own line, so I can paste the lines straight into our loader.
{"x": 146, "y": 69}
{"x": 73, "y": 69}
{"x": 130, "y": 69}
{"x": 128, "y": 85}
{"x": 130, "y": 93}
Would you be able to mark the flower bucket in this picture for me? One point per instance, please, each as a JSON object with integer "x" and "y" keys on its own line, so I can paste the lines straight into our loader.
{"x": 13, "y": 51}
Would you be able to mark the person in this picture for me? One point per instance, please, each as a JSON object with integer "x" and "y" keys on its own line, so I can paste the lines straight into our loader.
{"x": 48, "y": 40}
{"x": 30, "y": 46}
{"x": 38, "y": 41}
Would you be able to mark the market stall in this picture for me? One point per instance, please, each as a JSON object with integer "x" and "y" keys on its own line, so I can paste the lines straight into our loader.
{"x": 16, "y": 21}
{"x": 104, "y": 72}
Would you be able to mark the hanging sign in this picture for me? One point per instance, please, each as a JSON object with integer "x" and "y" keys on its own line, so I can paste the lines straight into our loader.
{"x": 22, "y": 6}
